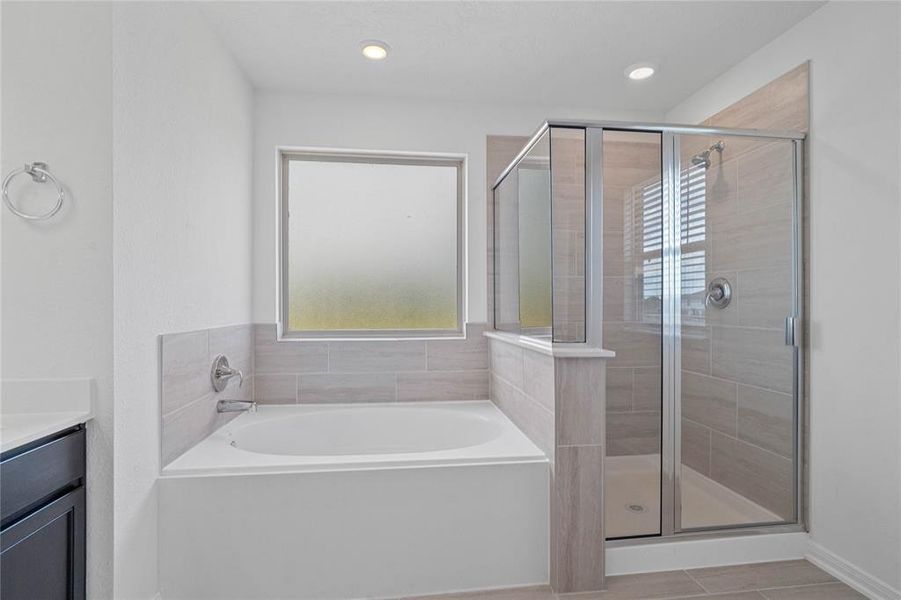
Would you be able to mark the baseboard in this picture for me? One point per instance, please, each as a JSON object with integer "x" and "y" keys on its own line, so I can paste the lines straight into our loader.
{"x": 866, "y": 584}
{"x": 710, "y": 552}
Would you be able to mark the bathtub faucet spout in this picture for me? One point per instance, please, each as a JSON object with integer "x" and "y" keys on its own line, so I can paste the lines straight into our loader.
{"x": 226, "y": 406}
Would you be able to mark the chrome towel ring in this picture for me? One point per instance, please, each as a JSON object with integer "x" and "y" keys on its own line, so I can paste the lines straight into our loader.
{"x": 40, "y": 173}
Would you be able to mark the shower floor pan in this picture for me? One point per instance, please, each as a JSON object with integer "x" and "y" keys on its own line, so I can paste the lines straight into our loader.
{"x": 632, "y": 499}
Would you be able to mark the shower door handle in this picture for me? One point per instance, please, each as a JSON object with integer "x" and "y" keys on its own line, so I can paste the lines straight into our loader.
{"x": 792, "y": 331}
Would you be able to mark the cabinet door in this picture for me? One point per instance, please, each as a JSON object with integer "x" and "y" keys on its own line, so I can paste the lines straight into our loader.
{"x": 42, "y": 555}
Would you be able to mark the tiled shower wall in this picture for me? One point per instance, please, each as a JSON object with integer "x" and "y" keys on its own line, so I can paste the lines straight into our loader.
{"x": 187, "y": 400}
{"x": 783, "y": 103}
{"x": 371, "y": 370}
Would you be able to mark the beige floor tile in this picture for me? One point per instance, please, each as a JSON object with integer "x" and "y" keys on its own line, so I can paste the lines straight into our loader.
{"x": 759, "y": 576}
{"x": 726, "y": 596}
{"x": 827, "y": 591}
{"x": 525, "y": 593}
{"x": 645, "y": 586}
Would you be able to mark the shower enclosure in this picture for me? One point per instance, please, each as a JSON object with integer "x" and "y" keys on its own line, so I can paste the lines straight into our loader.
{"x": 678, "y": 248}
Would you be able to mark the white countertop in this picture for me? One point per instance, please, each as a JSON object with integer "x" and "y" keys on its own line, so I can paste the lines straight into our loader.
{"x": 19, "y": 429}
{"x": 32, "y": 409}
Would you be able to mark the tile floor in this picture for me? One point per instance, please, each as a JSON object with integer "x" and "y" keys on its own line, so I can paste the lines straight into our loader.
{"x": 786, "y": 580}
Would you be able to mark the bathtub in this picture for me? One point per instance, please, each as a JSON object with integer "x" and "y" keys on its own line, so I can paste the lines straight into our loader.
{"x": 355, "y": 501}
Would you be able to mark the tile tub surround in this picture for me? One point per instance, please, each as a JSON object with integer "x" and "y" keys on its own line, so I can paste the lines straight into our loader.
{"x": 311, "y": 371}
{"x": 187, "y": 400}
{"x": 558, "y": 402}
{"x": 522, "y": 386}
{"x": 783, "y": 580}
{"x": 307, "y": 372}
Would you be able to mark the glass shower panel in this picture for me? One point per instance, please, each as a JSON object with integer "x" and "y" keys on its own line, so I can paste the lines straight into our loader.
{"x": 534, "y": 175}
{"x": 569, "y": 218}
{"x": 522, "y": 239}
{"x": 632, "y": 327}
{"x": 737, "y": 459}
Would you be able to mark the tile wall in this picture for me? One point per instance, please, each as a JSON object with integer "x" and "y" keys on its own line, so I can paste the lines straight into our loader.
{"x": 784, "y": 103}
{"x": 371, "y": 370}
{"x": 522, "y": 386}
{"x": 187, "y": 400}
{"x": 557, "y": 404}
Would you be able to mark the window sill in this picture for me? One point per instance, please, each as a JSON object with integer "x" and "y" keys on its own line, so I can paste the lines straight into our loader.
{"x": 425, "y": 337}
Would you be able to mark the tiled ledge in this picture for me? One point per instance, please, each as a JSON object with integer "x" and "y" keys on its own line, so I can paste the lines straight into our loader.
{"x": 568, "y": 350}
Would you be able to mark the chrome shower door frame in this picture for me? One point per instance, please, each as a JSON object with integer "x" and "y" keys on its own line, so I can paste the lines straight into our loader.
{"x": 671, "y": 389}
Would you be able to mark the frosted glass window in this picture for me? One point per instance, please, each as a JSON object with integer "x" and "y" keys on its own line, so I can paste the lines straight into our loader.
{"x": 372, "y": 245}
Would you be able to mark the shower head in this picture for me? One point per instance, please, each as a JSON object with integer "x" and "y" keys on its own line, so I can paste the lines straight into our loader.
{"x": 703, "y": 158}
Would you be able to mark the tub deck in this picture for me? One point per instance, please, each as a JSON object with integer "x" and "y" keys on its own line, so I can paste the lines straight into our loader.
{"x": 217, "y": 455}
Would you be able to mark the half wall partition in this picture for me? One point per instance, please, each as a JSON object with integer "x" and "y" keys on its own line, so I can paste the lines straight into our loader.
{"x": 547, "y": 364}
{"x": 679, "y": 249}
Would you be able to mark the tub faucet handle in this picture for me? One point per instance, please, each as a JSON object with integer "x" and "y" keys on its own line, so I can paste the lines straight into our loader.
{"x": 221, "y": 372}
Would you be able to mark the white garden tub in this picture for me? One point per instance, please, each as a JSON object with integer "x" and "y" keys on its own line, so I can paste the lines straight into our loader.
{"x": 355, "y": 501}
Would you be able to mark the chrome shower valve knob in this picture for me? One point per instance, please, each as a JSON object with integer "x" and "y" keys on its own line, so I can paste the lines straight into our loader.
{"x": 719, "y": 293}
{"x": 221, "y": 372}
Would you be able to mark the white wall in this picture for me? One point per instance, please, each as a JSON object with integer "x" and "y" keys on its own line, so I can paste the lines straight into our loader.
{"x": 387, "y": 124}
{"x": 855, "y": 305}
{"x": 57, "y": 275}
{"x": 183, "y": 152}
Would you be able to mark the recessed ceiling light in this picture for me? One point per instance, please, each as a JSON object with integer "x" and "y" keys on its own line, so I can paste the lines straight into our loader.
{"x": 640, "y": 71}
{"x": 374, "y": 49}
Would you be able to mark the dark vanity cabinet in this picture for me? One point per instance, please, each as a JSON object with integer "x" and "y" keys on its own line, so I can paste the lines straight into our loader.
{"x": 42, "y": 508}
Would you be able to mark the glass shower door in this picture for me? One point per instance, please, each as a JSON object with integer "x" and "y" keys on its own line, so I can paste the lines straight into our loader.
{"x": 735, "y": 360}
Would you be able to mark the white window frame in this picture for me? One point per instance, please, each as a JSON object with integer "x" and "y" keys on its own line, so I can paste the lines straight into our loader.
{"x": 285, "y": 155}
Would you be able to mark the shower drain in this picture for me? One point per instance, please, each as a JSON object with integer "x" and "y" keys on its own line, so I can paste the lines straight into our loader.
{"x": 636, "y": 508}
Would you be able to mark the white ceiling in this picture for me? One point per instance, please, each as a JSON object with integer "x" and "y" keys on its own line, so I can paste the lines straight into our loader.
{"x": 565, "y": 54}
